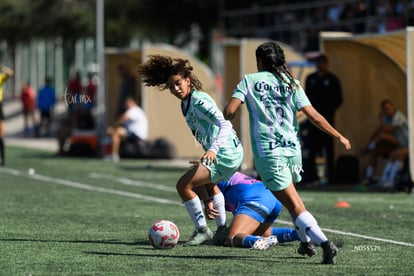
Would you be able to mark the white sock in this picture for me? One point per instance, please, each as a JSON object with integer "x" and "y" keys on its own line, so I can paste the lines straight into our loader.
{"x": 309, "y": 226}
{"x": 195, "y": 210}
{"x": 301, "y": 234}
{"x": 395, "y": 168}
{"x": 219, "y": 205}
{"x": 386, "y": 172}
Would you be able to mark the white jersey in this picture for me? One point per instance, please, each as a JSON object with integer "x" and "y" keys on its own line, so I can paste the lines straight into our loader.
{"x": 137, "y": 122}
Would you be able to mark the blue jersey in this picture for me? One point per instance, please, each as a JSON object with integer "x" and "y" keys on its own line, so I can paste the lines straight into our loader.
{"x": 46, "y": 98}
{"x": 246, "y": 195}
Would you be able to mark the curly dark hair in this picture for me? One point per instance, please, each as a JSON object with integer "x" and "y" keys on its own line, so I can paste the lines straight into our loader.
{"x": 273, "y": 60}
{"x": 158, "y": 69}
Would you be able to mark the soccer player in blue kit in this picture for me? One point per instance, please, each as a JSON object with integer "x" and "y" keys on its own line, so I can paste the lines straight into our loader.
{"x": 223, "y": 152}
{"x": 254, "y": 210}
{"x": 273, "y": 98}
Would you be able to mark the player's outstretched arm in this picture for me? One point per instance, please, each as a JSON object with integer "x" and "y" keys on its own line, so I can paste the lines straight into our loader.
{"x": 319, "y": 121}
{"x": 231, "y": 109}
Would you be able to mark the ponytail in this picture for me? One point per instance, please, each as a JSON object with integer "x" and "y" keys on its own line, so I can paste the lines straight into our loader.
{"x": 273, "y": 60}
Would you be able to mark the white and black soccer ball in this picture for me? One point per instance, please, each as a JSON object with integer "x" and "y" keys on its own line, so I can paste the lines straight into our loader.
{"x": 163, "y": 234}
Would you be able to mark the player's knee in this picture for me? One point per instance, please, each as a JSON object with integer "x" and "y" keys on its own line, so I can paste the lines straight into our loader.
{"x": 183, "y": 185}
{"x": 230, "y": 241}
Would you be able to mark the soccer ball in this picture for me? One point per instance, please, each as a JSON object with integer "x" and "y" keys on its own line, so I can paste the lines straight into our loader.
{"x": 163, "y": 234}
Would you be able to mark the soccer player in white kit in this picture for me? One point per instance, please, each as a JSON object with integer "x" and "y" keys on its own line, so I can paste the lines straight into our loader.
{"x": 223, "y": 152}
{"x": 273, "y": 98}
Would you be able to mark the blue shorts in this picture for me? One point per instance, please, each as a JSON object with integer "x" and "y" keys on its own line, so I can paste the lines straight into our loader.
{"x": 262, "y": 207}
{"x": 278, "y": 172}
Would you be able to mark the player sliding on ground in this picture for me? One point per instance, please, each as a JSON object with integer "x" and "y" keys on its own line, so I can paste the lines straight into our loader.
{"x": 254, "y": 210}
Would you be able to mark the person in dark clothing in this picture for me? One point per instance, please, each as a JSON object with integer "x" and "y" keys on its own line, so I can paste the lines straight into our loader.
{"x": 127, "y": 88}
{"x": 324, "y": 91}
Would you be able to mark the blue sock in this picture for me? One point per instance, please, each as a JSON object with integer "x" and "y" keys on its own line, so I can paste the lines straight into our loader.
{"x": 249, "y": 240}
{"x": 285, "y": 234}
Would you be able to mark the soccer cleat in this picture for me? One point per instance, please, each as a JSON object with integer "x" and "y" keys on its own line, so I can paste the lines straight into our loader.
{"x": 306, "y": 248}
{"x": 112, "y": 158}
{"x": 199, "y": 236}
{"x": 220, "y": 235}
{"x": 264, "y": 243}
{"x": 329, "y": 252}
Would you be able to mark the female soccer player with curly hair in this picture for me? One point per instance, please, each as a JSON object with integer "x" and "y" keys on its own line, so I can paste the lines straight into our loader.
{"x": 223, "y": 152}
{"x": 273, "y": 98}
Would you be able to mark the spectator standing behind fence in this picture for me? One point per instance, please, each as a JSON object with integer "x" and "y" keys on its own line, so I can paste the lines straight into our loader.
{"x": 28, "y": 99}
{"x": 90, "y": 92}
{"x": 324, "y": 91}
{"x": 360, "y": 14}
{"x": 72, "y": 94}
{"x": 382, "y": 11}
{"x": 46, "y": 100}
{"x": 5, "y": 73}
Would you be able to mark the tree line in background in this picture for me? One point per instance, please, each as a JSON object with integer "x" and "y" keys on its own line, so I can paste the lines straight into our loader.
{"x": 70, "y": 20}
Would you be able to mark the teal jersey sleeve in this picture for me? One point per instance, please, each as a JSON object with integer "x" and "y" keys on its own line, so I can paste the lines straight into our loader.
{"x": 301, "y": 99}
{"x": 207, "y": 123}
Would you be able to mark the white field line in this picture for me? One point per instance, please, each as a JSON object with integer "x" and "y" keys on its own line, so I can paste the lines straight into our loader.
{"x": 82, "y": 186}
{"x": 164, "y": 201}
{"x": 131, "y": 182}
{"x": 146, "y": 184}
{"x": 356, "y": 235}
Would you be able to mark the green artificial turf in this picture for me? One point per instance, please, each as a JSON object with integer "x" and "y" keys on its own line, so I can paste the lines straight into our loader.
{"x": 77, "y": 216}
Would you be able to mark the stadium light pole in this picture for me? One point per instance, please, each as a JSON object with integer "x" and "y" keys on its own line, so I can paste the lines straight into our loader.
{"x": 101, "y": 91}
